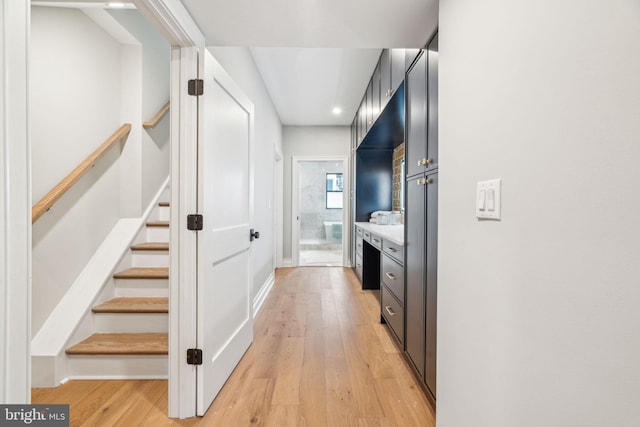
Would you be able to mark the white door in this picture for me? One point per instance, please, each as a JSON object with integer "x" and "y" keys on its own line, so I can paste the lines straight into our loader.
{"x": 225, "y": 311}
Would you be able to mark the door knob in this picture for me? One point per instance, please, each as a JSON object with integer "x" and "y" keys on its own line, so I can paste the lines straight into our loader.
{"x": 253, "y": 235}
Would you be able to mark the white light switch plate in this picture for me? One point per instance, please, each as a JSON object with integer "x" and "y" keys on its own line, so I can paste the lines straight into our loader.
{"x": 488, "y": 199}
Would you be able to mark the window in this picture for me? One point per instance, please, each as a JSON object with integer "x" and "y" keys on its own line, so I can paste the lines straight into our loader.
{"x": 334, "y": 191}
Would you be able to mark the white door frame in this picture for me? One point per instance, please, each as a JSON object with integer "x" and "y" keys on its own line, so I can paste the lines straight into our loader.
{"x": 187, "y": 42}
{"x": 295, "y": 204}
{"x": 278, "y": 184}
{"x": 15, "y": 204}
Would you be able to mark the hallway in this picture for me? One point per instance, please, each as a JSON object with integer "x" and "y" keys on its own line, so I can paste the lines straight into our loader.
{"x": 320, "y": 358}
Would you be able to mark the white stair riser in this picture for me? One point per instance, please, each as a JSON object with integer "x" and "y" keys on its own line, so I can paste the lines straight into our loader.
{"x": 131, "y": 322}
{"x": 157, "y": 234}
{"x": 142, "y": 288}
{"x": 150, "y": 259}
{"x": 164, "y": 213}
{"x": 123, "y": 367}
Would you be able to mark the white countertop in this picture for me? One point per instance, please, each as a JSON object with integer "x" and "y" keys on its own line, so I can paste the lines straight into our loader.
{"x": 394, "y": 233}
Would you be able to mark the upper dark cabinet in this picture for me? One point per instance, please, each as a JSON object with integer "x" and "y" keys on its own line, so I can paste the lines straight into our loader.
{"x": 375, "y": 94}
{"x": 416, "y": 117}
{"x": 354, "y": 133}
{"x": 369, "y": 105}
{"x": 392, "y": 71}
{"x": 398, "y": 68}
{"x": 385, "y": 78}
{"x": 432, "y": 103}
{"x": 362, "y": 120}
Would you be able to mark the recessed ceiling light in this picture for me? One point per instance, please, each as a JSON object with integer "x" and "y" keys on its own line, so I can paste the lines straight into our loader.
{"x": 336, "y": 110}
{"x": 116, "y": 5}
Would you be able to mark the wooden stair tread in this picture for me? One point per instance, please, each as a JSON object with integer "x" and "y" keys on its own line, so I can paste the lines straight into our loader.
{"x": 160, "y": 224}
{"x": 163, "y": 204}
{"x": 134, "y": 305}
{"x": 123, "y": 344}
{"x": 151, "y": 246}
{"x": 143, "y": 273}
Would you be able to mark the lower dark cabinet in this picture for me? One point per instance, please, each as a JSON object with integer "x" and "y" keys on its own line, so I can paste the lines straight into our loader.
{"x": 421, "y": 223}
{"x": 415, "y": 252}
{"x": 431, "y": 303}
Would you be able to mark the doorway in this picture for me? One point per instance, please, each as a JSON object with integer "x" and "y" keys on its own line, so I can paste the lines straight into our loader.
{"x": 320, "y": 202}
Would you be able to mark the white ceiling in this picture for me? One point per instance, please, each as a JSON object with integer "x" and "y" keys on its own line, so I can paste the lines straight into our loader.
{"x": 313, "y": 55}
{"x": 306, "y": 84}
{"x": 345, "y": 37}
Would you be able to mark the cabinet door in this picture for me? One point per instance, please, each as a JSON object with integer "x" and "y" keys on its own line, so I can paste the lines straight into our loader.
{"x": 375, "y": 94}
{"x": 368, "y": 103}
{"x": 416, "y": 117}
{"x": 354, "y": 133}
{"x": 432, "y": 103}
{"x": 385, "y": 78}
{"x": 362, "y": 120}
{"x": 398, "y": 68}
{"x": 431, "y": 282}
{"x": 415, "y": 259}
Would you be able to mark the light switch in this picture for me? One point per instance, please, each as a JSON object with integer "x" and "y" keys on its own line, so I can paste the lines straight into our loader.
{"x": 488, "y": 199}
{"x": 491, "y": 199}
{"x": 482, "y": 200}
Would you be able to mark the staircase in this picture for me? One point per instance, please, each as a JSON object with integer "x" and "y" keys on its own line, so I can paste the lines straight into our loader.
{"x": 130, "y": 326}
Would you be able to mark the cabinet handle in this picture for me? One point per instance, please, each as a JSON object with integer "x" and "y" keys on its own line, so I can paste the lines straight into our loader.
{"x": 425, "y": 162}
{"x": 360, "y": 244}
{"x": 424, "y": 181}
{"x": 358, "y": 265}
{"x": 391, "y": 250}
{"x": 391, "y": 312}
{"x": 376, "y": 240}
{"x": 390, "y": 276}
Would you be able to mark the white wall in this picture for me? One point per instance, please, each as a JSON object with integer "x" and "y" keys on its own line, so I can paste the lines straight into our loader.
{"x": 538, "y": 314}
{"x": 90, "y": 75}
{"x": 75, "y": 106}
{"x": 240, "y": 65}
{"x": 309, "y": 141}
{"x": 155, "y": 94}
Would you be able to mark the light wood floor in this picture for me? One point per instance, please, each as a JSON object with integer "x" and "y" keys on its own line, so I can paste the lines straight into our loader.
{"x": 320, "y": 358}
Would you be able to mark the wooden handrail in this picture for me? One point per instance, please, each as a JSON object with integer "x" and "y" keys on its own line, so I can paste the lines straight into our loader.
{"x": 63, "y": 186}
{"x": 154, "y": 121}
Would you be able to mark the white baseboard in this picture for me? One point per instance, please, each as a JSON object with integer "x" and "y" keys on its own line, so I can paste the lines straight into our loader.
{"x": 287, "y": 262}
{"x": 262, "y": 293}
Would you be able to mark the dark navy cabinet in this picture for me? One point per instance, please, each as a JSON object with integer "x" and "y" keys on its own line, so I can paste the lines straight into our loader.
{"x": 416, "y": 116}
{"x": 421, "y": 215}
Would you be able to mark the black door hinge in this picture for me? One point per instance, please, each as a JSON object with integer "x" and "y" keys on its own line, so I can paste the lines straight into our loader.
{"x": 196, "y": 87}
{"x": 195, "y": 222}
{"x": 194, "y": 356}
